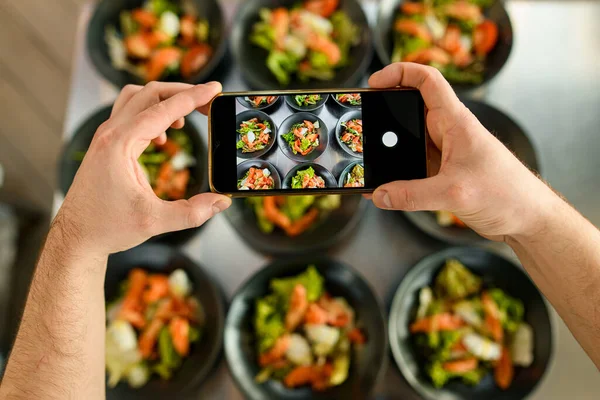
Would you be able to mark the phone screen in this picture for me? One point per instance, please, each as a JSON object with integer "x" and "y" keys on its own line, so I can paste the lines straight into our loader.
{"x": 342, "y": 141}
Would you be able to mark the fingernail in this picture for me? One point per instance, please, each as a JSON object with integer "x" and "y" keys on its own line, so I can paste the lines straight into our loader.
{"x": 213, "y": 83}
{"x": 382, "y": 199}
{"x": 220, "y": 205}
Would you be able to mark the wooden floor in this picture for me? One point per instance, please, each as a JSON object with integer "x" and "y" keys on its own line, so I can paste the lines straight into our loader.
{"x": 36, "y": 44}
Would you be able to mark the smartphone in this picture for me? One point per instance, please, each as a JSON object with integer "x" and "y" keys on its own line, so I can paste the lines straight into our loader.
{"x": 315, "y": 141}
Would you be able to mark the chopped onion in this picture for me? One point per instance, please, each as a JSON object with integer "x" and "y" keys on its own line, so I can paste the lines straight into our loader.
{"x": 266, "y": 172}
{"x": 436, "y": 27}
{"x": 251, "y": 137}
{"x": 169, "y": 23}
{"x": 179, "y": 283}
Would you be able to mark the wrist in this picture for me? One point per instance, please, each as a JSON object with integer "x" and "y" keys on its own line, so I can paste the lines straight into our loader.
{"x": 69, "y": 237}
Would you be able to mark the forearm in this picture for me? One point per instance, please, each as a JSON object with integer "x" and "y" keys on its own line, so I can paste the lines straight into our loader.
{"x": 58, "y": 353}
{"x": 562, "y": 256}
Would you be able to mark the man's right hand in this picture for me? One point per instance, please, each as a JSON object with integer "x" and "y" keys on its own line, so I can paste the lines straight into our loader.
{"x": 479, "y": 180}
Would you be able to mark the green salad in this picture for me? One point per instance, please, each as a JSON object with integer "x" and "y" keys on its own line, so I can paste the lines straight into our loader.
{"x": 309, "y": 40}
{"x": 254, "y": 135}
{"x": 465, "y": 330}
{"x": 303, "y": 335}
{"x": 307, "y": 179}
{"x": 304, "y": 100}
{"x": 303, "y": 137}
{"x": 356, "y": 177}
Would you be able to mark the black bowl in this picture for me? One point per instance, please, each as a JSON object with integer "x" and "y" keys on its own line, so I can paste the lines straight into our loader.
{"x": 243, "y": 167}
{"x": 384, "y": 36}
{"x": 329, "y": 230}
{"x": 245, "y": 116}
{"x": 346, "y": 171}
{"x": 366, "y": 366}
{"x": 320, "y": 170}
{"x": 247, "y": 104}
{"x": 495, "y": 271}
{"x": 81, "y": 140}
{"x": 290, "y": 101}
{"x": 509, "y": 133}
{"x": 204, "y": 354}
{"x": 107, "y": 13}
{"x": 345, "y": 105}
{"x": 338, "y": 131}
{"x": 287, "y": 124}
{"x": 252, "y": 59}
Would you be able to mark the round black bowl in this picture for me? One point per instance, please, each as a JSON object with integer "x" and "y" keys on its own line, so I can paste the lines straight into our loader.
{"x": 243, "y": 167}
{"x": 338, "y": 131}
{"x": 329, "y": 230}
{"x": 295, "y": 118}
{"x": 107, "y": 13}
{"x": 68, "y": 165}
{"x": 384, "y": 38}
{"x": 204, "y": 354}
{"x": 252, "y": 59}
{"x": 242, "y": 100}
{"x": 495, "y": 271}
{"x": 509, "y": 133}
{"x": 245, "y": 116}
{"x": 320, "y": 170}
{"x": 345, "y": 105}
{"x": 366, "y": 366}
{"x": 290, "y": 101}
{"x": 346, "y": 171}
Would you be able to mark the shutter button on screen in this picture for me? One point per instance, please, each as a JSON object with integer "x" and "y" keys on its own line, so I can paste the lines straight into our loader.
{"x": 389, "y": 139}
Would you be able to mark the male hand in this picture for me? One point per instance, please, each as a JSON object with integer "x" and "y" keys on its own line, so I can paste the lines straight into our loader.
{"x": 479, "y": 180}
{"x": 111, "y": 206}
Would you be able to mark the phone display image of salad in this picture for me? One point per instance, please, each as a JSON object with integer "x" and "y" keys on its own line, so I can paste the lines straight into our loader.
{"x": 319, "y": 137}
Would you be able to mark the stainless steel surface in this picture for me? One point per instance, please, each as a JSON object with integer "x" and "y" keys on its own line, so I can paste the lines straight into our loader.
{"x": 334, "y": 158}
{"x": 550, "y": 86}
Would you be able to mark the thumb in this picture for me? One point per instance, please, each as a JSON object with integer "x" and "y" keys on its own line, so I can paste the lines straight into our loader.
{"x": 191, "y": 213}
{"x": 414, "y": 195}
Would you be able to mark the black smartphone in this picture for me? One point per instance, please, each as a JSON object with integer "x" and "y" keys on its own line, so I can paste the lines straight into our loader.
{"x": 327, "y": 141}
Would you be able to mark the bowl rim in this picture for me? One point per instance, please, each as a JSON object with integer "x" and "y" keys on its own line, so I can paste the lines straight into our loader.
{"x": 402, "y": 291}
{"x": 317, "y": 259}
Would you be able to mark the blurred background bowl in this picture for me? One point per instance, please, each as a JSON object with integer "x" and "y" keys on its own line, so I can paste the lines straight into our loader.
{"x": 243, "y": 167}
{"x": 495, "y": 271}
{"x": 245, "y": 116}
{"x": 509, "y": 133}
{"x": 252, "y": 59}
{"x": 338, "y": 131}
{"x": 205, "y": 353}
{"x": 81, "y": 139}
{"x": 107, "y": 13}
{"x": 291, "y": 101}
{"x": 320, "y": 170}
{"x": 296, "y": 118}
{"x": 495, "y": 60}
{"x": 340, "y": 280}
{"x": 331, "y": 228}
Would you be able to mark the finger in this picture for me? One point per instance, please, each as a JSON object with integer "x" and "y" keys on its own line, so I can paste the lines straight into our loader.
{"x": 414, "y": 195}
{"x": 162, "y": 139}
{"x": 436, "y": 91}
{"x": 151, "y": 94}
{"x": 125, "y": 96}
{"x": 150, "y": 123}
{"x": 186, "y": 214}
{"x": 180, "y": 123}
